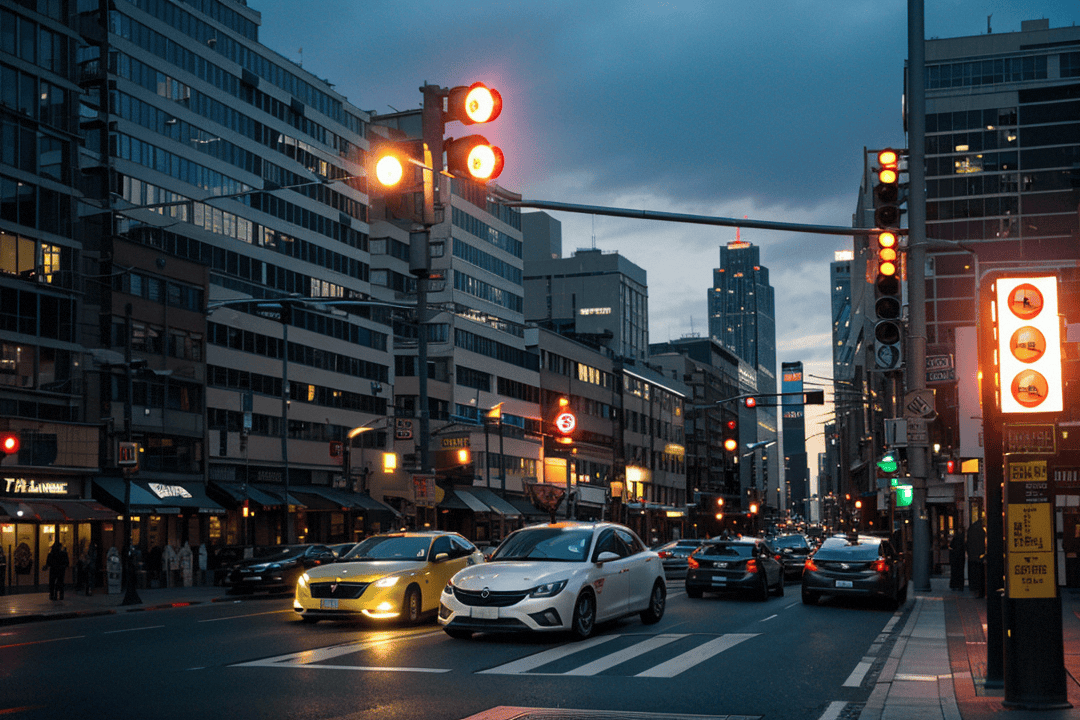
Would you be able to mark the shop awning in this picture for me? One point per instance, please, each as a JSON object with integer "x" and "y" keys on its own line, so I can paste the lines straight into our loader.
{"x": 33, "y": 511}
{"x": 278, "y": 493}
{"x": 526, "y": 508}
{"x": 240, "y": 492}
{"x": 472, "y": 501}
{"x": 110, "y": 491}
{"x": 185, "y": 495}
{"x": 84, "y": 510}
{"x": 495, "y": 502}
{"x": 316, "y": 502}
{"x": 350, "y": 500}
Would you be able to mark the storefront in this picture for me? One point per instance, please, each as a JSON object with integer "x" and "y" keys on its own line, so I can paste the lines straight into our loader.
{"x": 35, "y": 513}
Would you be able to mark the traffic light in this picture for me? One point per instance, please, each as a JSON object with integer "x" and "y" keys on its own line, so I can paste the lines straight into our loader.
{"x": 750, "y": 402}
{"x": 9, "y": 443}
{"x": 127, "y": 455}
{"x": 888, "y": 306}
{"x": 471, "y": 157}
{"x": 731, "y": 436}
{"x": 1028, "y": 330}
{"x": 565, "y": 422}
{"x": 887, "y": 190}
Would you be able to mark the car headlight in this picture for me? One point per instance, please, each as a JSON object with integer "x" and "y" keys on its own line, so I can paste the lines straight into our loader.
{"x": 303, "y": 581}
{"x": 387, "y": 581}
{"x": 550, "y": 589}
{"x": 449, "y": 589}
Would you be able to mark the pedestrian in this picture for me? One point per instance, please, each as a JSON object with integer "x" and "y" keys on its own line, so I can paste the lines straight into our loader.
{"x": 56, "y": 562}
{"x": 957, "y": 551}
{"x": 91, "y": 567}
{"x": 976, "y": 552}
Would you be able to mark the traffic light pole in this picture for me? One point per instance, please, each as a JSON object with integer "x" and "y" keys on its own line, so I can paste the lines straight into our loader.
{"x": 919, "y": 450}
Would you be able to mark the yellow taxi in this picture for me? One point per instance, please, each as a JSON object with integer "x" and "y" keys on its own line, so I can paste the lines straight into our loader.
{"x": 394, "y": 576}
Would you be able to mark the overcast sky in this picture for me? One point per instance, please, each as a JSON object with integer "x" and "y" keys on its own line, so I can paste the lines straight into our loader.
{"x": 714, "y": 107}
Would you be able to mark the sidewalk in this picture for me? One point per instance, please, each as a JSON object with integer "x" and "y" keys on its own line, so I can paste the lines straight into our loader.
{"x": 937, "y": 669}
{"x": 35, "y": 607}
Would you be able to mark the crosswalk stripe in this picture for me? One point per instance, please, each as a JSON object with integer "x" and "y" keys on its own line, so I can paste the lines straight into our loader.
{"x": 700, "y": 654}
{"x": 542, "y": 658}
{"x": 610, "y": 661}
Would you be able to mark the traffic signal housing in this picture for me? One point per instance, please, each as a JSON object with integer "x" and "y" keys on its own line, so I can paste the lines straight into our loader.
{"x": 1028, "y": 331}
{"x": 471, "y": 157}
{"x": 731, "y": 436}
{"x": 888, "y": 304}
{"x": 887, "y": 189}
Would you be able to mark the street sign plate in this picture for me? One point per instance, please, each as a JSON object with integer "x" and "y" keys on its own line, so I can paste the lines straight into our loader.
{"x": 919, "y": 404}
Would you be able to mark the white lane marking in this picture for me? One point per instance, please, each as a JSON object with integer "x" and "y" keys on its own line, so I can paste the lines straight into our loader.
{"x": 856, "y": 677}
{"x": 890, "y": 625}
{"x": 920, "y": 678}
{"x": 148, "y": 627}
{"x": 543, "y": 658}
{"x": 311, "y": 658}
{"x": 688, "y": 659}
{"x": 609, "y": 661}
{"x": 833, "y": 711}
{"x": 234, "y": 617}
{"x": 794, "y": 604}
{"x": 768, "y": 618}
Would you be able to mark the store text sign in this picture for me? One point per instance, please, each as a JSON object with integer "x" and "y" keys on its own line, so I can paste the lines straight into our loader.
{"x": 1029, "y": 531}
{"x": 29, "y": 486}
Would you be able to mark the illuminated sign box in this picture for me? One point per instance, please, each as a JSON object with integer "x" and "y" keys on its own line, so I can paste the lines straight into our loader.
{"x": 1029, "y": 345}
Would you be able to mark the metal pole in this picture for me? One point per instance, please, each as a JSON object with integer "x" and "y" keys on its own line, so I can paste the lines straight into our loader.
{"x": 285, "y": 393}
{"x": 918, "y": 452}
{"x": 502, "y": 460}
{"x": 131, "y": 594}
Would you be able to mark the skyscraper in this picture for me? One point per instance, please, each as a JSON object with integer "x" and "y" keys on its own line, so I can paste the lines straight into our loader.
{"x": 742, "y": 318}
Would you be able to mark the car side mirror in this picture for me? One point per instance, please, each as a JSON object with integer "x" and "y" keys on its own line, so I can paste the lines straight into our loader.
{"x": 606, "y": 556}
{"x": 439, "y": 557}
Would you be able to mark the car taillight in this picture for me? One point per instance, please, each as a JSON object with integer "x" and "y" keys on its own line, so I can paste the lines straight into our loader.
{"x": 665, "y": 553}
{"x": 881, "y": 566}
{"x": 692, "y": 563}
{"x": 751, "y": 566}
{"x": 779, "y": 558}
{"x": 810, "y": 566}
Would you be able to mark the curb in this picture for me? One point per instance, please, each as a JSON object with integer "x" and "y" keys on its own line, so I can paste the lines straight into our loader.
{"x": 33, "y": 617}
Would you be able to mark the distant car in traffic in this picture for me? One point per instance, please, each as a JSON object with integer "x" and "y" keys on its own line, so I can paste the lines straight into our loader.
{"x": 855, "y": 565}
{"x": 674, "y": 554}
{"x": 557, "y": 577}
{"x": 341, "y": 549}
{"x": 393, "y": 576}
{"x": 793, "y": 550}
{"x": 276, "y": 567}
{"x": 741, "y": 565}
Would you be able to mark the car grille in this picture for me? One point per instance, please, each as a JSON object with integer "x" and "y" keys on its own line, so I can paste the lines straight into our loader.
{"x": 341, "y": 590}
{"x": 494, "y": 598}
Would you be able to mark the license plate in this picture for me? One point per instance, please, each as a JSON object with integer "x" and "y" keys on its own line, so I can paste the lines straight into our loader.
{"x": 720, "y": 580}
{"x": 486, "y": 613}
{"x": 843, "y": 583}
{"x": 328, "y": 603}
{"x": 253, "y": 578}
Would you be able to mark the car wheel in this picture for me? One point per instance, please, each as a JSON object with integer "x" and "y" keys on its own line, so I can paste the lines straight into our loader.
{"x": 657, "y": 603}
{"x": 458, "y": 633}
{"x": 308, "y": 619}
{"x": 809, "y": 598}
{"x": 780, "y": 586}
{"x": 584, "y": 621}
{"x": 410, "y": 609}
{"x": 762, "y": 593}
{"x": 694, "y": 592}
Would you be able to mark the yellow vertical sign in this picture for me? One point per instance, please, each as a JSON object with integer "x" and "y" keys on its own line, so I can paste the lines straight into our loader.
{"x": 1029, "y": 533}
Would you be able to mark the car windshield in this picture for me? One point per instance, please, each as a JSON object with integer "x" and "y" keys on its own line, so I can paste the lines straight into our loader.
{"x": 740, "y": 550}
{"x": 842, "y": 548}
{"x": 278, "y": 552}
{"x": 546, "y": 543}
{"x": 390, "y": 547}
{"x": 790, "y": 541}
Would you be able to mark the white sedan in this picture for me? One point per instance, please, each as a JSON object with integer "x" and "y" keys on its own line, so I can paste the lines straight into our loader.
{"x": 559, "y": 576}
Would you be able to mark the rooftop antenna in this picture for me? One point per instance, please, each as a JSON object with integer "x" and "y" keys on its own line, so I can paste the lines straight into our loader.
{"x": 301, "y": 52}
{"x": 988, "y": 30}
{"x": 594, "y": 232}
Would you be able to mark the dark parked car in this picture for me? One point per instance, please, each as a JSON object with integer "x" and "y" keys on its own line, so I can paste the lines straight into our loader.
{"x": 674, "y": 554}
{"x": 340, "y": 549}
{"x": 855, "y": 565}
{"x": 793, "y": 550}
{"x": 745, "y": 565}
{"x": 276, "y": 567}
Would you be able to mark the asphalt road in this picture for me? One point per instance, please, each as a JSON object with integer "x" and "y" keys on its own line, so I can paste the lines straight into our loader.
{"x": 254, "y": 660}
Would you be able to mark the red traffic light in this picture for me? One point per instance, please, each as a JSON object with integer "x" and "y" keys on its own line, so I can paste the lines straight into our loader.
{"x": 9, "y": 443}
{"x": 750, "y": 402}
{"x": 476, "y": 103}
{"x": 474, "y": 158}
{"x": 950, "y": 466}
